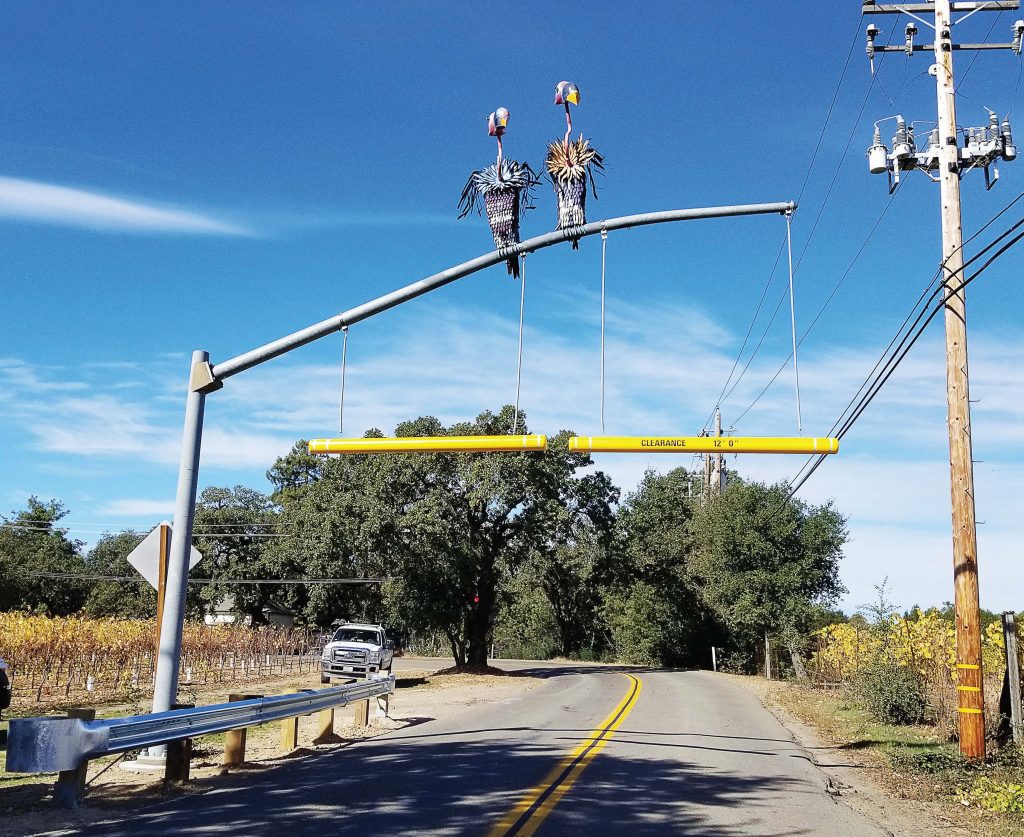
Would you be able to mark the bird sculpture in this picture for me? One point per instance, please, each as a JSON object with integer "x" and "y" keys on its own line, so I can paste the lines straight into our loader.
{"x": 502, "y": 190}
{"x": 570, "y": 165}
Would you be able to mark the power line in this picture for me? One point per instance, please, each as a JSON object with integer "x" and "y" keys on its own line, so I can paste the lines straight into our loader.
{"x": 905, "y": 345}
{"x": 195, "y": 534}
{"x": 806, "y": 245}
{"x": 821, "y": 310}
{"x": 800, "y": 194}
{"x": 93, "y": 577}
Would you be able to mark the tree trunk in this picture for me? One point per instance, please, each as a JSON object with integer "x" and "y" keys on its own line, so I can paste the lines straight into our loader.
{"x": 478, "y": 625}
{"x": 798, "y": 663}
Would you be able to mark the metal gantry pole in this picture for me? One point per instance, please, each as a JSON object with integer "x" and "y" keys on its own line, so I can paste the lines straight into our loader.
{"x": 165, "y": 687}
{"x": 205, "y": 378}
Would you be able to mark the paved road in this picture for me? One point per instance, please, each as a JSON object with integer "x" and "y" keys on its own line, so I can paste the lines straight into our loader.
{"x": 590, "y": 750}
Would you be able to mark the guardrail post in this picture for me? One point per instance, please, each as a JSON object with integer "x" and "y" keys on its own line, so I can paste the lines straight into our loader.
{"x": 70, "y": 787}
{"x": 234, "y": 739}
{"x": 325, "y": 726}
{"x": 290, "y": 727}
{"x": 179, "y": 754}
{"x": 362, "y": 713}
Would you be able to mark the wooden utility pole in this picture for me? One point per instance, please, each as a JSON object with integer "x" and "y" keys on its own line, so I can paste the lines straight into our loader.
{"x": 945, "y": 160}
{"x": 717, "y": 471}
{"x": 970, "y": 683}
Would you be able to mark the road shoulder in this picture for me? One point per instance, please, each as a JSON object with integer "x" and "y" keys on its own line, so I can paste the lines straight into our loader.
{"x": 857, "y": 778}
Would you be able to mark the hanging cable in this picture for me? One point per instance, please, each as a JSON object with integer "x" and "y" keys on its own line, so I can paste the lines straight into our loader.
{"x": 817, "y": 316}
{"x": 344, "y": 363}
{"x": 604, "y": 248}
{"x": 792, "y": 319}
{"x": 519, "y": 362}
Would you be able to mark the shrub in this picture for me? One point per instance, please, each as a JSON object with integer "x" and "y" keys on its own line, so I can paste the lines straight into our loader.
{"x": 1002, "y": 797}
{"x": 894, "y": 694}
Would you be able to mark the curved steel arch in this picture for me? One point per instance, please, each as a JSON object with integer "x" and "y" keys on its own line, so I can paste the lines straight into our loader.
{"x": 204, "y": 378}
{"x": 368, "y": 309}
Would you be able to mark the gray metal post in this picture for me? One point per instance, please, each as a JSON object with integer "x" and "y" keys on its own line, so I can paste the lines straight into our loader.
{"x": 165, "y": 689}
{"x": 1013, "y": 677}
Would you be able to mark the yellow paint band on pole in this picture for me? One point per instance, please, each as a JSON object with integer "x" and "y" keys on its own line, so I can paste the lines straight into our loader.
{"x": 703, "y": 444}
{"x": 968, "y": 666}
{"x": 430, "y": 444}
{"x": 969, "y": 688}
{"x": 969, "y": 711}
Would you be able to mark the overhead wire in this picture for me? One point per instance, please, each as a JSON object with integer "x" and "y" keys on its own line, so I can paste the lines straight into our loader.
{"x": 891, "y": 358}
{"x": 821, "y": 309}
{"x": 208, "y": 581}
{"x": 810, "y": 237}
{"x": 800, "y": 194}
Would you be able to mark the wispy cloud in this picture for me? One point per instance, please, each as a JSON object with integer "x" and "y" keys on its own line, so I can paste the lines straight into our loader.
{"x": 47, "y": 203}
{"x": 891, "y": 478}
{"x": 136, "y": 507}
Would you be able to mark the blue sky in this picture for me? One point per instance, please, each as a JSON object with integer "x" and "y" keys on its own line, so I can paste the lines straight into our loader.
{"x": 217, "y": 175}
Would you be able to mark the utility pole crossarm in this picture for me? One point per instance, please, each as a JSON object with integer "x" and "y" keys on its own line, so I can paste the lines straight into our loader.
{"x": 870, "y": 7}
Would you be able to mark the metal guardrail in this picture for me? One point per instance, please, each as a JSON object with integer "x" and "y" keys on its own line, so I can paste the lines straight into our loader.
{"x": 48, "y": 745}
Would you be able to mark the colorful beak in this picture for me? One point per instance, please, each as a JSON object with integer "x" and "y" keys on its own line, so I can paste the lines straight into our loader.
{"x": 573, "y": 96}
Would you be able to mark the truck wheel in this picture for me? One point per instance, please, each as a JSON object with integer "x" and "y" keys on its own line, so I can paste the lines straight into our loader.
{"x": 324, "y": 678}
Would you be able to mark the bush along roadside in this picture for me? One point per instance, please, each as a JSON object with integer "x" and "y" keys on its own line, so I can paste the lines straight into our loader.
{"x": 996, "y": 785}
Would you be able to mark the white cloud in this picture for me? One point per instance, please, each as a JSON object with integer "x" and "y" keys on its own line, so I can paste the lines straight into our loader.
{"x": 46, "y": 203}
{"x": 891, "y": 478}
{"x": 136, "y": 507}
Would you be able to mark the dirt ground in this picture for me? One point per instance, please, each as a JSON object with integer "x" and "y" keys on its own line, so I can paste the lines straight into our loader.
{"x": 866, "y": 783}
{"x": 27, "y": 807}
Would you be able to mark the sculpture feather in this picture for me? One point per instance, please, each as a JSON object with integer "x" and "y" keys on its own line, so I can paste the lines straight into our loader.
{"x": 503, "y": 194}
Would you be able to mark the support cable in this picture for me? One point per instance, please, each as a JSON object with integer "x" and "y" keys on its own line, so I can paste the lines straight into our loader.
{"x": 792, "y": 317}
{"x": 604, "y": 249}
{"x": 806, "y": 245}
{"x": 821, "y": 310}
{"x": 771, "y": 274}
{"x": 519, "y": 362}
{"x": 344, "y": 364}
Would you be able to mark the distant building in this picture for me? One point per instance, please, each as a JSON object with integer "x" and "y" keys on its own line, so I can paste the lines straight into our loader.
{"x": 224, "y": 612}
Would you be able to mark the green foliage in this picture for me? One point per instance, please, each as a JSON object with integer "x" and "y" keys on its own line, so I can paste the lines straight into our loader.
{"x": 652, "y": 605}
{"x": 763, "y": 561}
{"x": 128, "y": 599}
{"x": 231, "y": 526}
{"x": 447, "y": 530}
{"x": 39, "y": 546}
{"x": 526, "y": 627}
{"x": 892, "y": 693}
{"x": 992, "y": 795}
{"x": 647, "y": 628}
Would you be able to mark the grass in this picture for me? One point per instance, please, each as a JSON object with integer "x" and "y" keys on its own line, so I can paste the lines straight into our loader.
{"x": 918, "y": 762}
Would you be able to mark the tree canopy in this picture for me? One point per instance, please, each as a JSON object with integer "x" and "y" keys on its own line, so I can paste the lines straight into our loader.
{"x": 537, "y": 552}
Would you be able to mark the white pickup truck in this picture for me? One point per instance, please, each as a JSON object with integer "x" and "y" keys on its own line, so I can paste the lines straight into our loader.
{"x": 356, "y": 650}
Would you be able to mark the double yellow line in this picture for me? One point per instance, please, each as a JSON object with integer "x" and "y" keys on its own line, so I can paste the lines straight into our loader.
{"x": 527, "y": 815}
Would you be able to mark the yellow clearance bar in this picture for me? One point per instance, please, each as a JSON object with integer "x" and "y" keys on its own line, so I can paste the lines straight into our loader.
{"x": 430, "y": 444}
{"x": 703, "y": 444}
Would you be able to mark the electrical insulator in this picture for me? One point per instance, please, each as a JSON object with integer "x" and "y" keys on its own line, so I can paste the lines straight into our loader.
{"x": 872, "y": 34}
{"x": 1018, "y": 31}
{"x": 933, "y": 138}
{"x": 900, "y": 147}
{"x": 1009, "y": 149}
{"x": 877, "y": 154}
{"x": 908, "y": 47}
